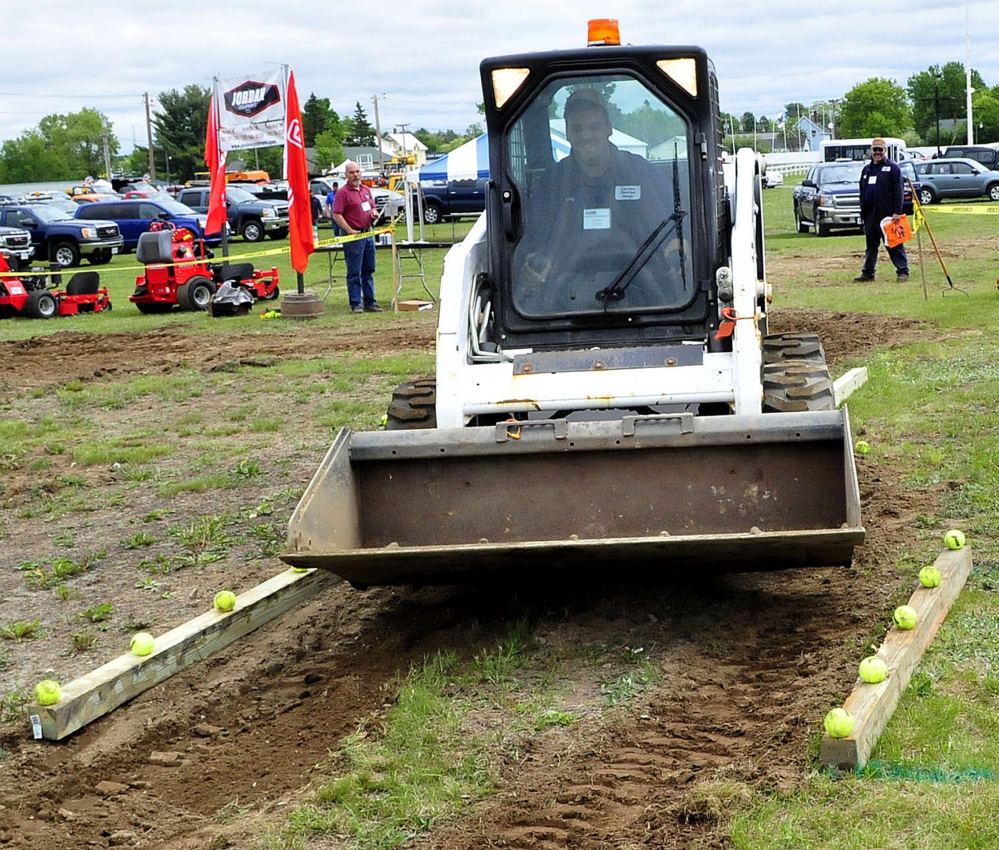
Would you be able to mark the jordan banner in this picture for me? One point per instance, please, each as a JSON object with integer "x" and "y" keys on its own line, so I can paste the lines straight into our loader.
{"x": 251, "y": 110}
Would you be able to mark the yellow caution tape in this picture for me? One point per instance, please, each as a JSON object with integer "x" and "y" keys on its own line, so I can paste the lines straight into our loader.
{"x": 270, "y": 252}
{"x": 965, "y": 209}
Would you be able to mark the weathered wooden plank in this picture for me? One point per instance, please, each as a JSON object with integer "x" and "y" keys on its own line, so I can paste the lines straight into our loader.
{"x": 844, "y": 386}
{"x": 872, "y": 705}
{"x": 104, "y": 689}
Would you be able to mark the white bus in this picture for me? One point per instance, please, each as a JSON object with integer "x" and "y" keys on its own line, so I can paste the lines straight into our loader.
{"x": 831, "y": 150}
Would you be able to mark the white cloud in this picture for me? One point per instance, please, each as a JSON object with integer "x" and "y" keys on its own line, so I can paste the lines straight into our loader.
{"x": 105, "y": 54}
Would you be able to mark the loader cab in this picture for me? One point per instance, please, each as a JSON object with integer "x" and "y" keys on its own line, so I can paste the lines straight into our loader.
{"x": 607, "y": 188}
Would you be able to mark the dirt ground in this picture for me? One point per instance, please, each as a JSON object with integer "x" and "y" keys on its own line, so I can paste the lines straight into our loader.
{"x": 750, "y": 663}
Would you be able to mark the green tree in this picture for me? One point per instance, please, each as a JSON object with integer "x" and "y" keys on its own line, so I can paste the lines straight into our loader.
{"x": 940, "y": 92}
{"x": 329, "y": 150}
{"x": 877, "y": 107}
{"x": 985, "y": 112}
{"x": 181, "y": 123}
{"x": 747, "y": 122}
{"x": 358, "y": 132}
{"x": 27, "y": 159}
{"x": 63, "y": 147}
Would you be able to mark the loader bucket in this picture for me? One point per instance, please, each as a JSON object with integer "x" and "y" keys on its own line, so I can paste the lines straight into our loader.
{"x": 660, "y": 493}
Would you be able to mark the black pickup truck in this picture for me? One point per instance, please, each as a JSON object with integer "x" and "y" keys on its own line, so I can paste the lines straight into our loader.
{"x": 59, "y": 237}
{"x": 249, "y": 216}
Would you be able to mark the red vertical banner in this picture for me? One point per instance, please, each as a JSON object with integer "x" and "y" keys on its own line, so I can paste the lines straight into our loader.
{"x": 296, "y": 173}
{"x": 215, "y": 160}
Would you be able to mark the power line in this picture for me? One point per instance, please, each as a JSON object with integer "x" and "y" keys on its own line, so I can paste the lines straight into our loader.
{"x": 74, "y": 96}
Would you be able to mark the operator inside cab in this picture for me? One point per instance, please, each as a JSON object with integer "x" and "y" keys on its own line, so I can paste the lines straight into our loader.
{"x": 606, "y": 220}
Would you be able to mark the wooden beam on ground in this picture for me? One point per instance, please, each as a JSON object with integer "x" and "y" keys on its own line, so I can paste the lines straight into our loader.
{"x": 872, "y": 705}
{"x": 104, "y": 689}
{"x": 844, "y": 386}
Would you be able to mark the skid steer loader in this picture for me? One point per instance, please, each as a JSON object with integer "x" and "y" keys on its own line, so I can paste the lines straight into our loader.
{"x": 606, "y": 391}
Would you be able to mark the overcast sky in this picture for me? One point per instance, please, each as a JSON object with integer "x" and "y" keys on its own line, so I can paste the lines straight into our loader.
{"x": 59, "y": 57}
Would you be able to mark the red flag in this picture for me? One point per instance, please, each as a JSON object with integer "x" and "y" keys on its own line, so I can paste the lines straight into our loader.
{"x": 215, "y": 160}
{"x": 297, "y": 175}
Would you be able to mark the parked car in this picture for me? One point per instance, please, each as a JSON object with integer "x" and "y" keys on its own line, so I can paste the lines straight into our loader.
{"x": 829, "y": 196}
{"x": 956, "y": 178}
{"x": 772, "y": 179}
{"x": 134, "y": 216}
{"x": 59, "y": 237}
{"x": 249, "y": 216}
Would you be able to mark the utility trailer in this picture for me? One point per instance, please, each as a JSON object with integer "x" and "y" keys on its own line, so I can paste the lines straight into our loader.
{"x": 606, "y": 388}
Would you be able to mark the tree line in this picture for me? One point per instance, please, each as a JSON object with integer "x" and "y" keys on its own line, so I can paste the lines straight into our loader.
{"x": 929, "y": 110}
{"x": 70, "y": 147}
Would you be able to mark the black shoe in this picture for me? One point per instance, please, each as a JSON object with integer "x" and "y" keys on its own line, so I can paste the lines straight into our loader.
{"x": 357, "y": 309}
{"x": 371, "y": 308}
{"x": 902, "y": 278}
{"x": 860, "y": 278}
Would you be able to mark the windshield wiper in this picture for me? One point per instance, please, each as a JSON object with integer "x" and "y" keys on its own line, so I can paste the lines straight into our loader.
{"x": 614, "y": 291}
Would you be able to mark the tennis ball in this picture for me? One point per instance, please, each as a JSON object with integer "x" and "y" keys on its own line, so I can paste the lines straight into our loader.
{"x": 929, "y": 577}
{"x": 873, "y": 670}
{"x": 225, "y": 600}
{"x": 47, "y": 692}
{"x": 142, "y": 643}
{"x": 862, "y": 447}
{"x": 905, "y": 617}
{"x": 838, "y": 723}
{"x": 299, "y": 569}
{"x": 954, "y": 539}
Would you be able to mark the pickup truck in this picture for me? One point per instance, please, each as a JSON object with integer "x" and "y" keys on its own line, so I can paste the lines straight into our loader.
{"x": 249, "y": 216}
{"x": 452, "y": 199}
{"x": 15, "y": 245}
{"x": 58, "y": 236}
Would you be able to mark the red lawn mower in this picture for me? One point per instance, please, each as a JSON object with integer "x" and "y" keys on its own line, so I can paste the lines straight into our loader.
{"x": 178, "y": 272}
{"x": 31, "y": 296}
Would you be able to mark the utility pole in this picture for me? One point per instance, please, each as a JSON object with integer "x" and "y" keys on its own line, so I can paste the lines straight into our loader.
{"x": 937, "y": 77}
{"x": 967, "y": 74}
{"x": 107, "y": 152}
{"x": 149, "y": 136}
{"x": 378, "y": 132}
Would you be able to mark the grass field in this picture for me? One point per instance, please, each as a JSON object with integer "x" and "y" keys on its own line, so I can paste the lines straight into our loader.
{"x": 928, "y": 411}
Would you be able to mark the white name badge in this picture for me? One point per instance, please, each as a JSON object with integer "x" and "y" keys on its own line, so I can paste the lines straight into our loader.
{"x": 873, "y": 179}
{"x": 597, "y": 219}
{"x": 886, "y": 168}
{"x": 627, "y": 193}
{"x": 365, "y": 206}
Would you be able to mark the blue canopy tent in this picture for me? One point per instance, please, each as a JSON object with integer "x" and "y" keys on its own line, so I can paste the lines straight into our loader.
{"x": 470, "y": 161}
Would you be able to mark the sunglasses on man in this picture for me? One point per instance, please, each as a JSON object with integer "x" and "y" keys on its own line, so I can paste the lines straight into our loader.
{"x": 878, "y": 150}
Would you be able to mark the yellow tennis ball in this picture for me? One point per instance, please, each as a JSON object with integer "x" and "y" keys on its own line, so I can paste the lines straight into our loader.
{"x": 905, "y": 617}
{"x": 47, "y": 692}
{"x": 954, "y": 539}
{"x": 225, "y": 600}
{"x": 838, "y": 723}
{"x": 299, "y": 569}
{"x": 862, "y": 447}
{"x": 142, "y": 643}
{"x": 873, "y": 670}
{"x": 929, "y": 577}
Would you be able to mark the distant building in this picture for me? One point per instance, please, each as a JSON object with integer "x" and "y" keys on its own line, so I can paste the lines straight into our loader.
{"x": 810, "y": 134}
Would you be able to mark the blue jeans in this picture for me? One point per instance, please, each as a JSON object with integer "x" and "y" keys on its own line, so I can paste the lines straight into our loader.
{"x": 359, "y": 255}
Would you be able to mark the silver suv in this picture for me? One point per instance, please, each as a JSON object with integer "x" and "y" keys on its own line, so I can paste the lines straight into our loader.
{"x": 956, "y": 178}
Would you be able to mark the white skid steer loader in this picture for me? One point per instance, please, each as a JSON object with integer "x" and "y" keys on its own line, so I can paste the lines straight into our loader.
{"x": 606, "y": 391}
